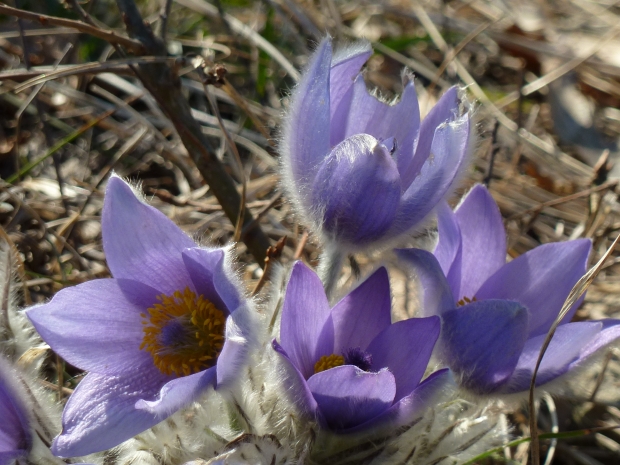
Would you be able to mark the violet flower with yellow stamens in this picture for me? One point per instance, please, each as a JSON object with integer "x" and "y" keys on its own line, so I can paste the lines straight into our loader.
{"x": 496, "y": 315}
{"x": 167, "y": 326}
{"x": 353, "y": 367}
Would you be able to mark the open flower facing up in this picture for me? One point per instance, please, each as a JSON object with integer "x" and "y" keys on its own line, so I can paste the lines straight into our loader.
{"x": 15, "y": 435}
{"x": 360, "y": 170}
{"x": 496, "y": 315}
{"x": 164, "y": 328}
{"x": 354, "y": 367}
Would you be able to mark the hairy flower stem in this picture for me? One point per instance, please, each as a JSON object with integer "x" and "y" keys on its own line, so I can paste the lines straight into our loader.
{"x": 330, "y": 264}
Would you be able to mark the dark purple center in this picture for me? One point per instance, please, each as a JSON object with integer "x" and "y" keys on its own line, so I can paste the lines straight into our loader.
{"x": 358, "y": 357}
{"x": 174, "y": 334}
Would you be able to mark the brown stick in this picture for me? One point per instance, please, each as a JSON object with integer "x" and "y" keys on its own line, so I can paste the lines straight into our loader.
{"x": 110, "y": 36}
{"x": 164, "y": 85}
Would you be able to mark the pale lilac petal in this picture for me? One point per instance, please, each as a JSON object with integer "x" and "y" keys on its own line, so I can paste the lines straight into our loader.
{"x": 178, "y": 393}
{"x": 410, "y": 408}
{"x": 357, "y": 190}
{"x": 449, "y": 150}
{"x": 305, "y": 312}
{"x": 207, "y": 269}
{"x": 297, "y": 384}
{"x": 482, "y": 341}
{"x": 348, "y": 396}
{"x": 368, "y": 115}
{"x": 483, "y": 240}
{"x": 363, "y": 313}
{"x": 540, "y": 280}
{"x": 101, "y": 412}
{"x": 446, "y": 109}
{"x": 97, "y": 325}
{"x": 140, "y": 242}
{"x": 436, "y": 290}
{"x": 345, "y": 66}
{"x": 306, "y": 131}
{"x": 610, "y": 332}
{"x": 405, "y": 348}
{"x": 564, "y": 349}
{"x": 448, "y": 250}
{"x": 15, "y": 436}
{"x": 230, "y": 362}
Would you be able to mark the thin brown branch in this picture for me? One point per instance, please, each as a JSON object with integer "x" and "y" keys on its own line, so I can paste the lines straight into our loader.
{"x": 273, "y": 254}
{"x": 538, "y": 208}
{"x": 86, "y": 68}
{"x": 109, "y": 36}
{"x": 164, "y": 84}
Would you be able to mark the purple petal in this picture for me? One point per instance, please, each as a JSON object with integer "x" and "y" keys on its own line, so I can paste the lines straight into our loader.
{"x": 540, "y": 280}
{"x": 15, "y": 436}
{"x": 346, "y": 64}
{"x": 305, "y": 312}
{"x": 306, "y": 139}
{"x": 564, "y": 349}
{"x": 101, "y": 412}
{"x": 437, "y": 294}
{"x": 610, "y": 332}
{"x": 230, "y": 362}
{"x": 348, "y": 396}
{"x": 178, "y": 393}
{"x": 357, "y": 190}
{"x": 483, "y": 240}
{"x": 449, "y": 149}
{"x": 482, "y": 342}
{"x": 363, "y": 313}
{"x": 446, "y": 109}
{"x": 97, "y": 325}
{"x": 448, "y": 248}
{"x": 410, "y": 408}
{"x": 368, "y": 115}
{"x": 295, "y": 383}
{"x": 140, "y": 242}
{"x": 207, "y": 269}
{"x": 405, "y": 348}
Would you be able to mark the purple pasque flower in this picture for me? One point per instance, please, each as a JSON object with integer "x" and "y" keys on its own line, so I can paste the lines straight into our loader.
{"x": 15, "y": 433}
{"x": 354, "y": 367}
{"x": 153, "y": 337}
{"x": 496, "y": 315}
{"x": 361, "y": 170}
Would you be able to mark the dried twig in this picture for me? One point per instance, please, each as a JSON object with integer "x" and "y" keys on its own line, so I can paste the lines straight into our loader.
{"x": 273, "y": 253}
{"x": 164, "y": 85}
{"x": 109, "y": 36}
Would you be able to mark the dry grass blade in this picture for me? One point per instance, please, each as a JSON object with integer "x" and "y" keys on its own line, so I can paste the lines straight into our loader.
{"x": 560, "y": 71}
{"x": 237, "y": 158}
{"x": 109, "y": 36}
{"x": 237, "y": 26}
{"x": 574, "y": 295}
{"x": 71, "y": 137}
{"x": 88, "y": 68}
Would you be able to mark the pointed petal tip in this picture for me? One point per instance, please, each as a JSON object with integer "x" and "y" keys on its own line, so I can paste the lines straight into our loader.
{"x": 352, "y": 51}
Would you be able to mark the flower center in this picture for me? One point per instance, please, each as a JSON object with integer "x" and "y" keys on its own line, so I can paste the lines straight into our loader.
{"x": 328, "y": 361}
{"x": 184, "y": 333}
{"x": 359, "y": 358}
{"x": 353, "y": 356}
{"x": 465, "y": 301}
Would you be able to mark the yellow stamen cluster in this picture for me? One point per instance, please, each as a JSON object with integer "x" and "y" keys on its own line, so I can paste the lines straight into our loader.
{"x": 465, "y": 301}
{"x": 328, "y": 361}
{"x": 201, "y": 324}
